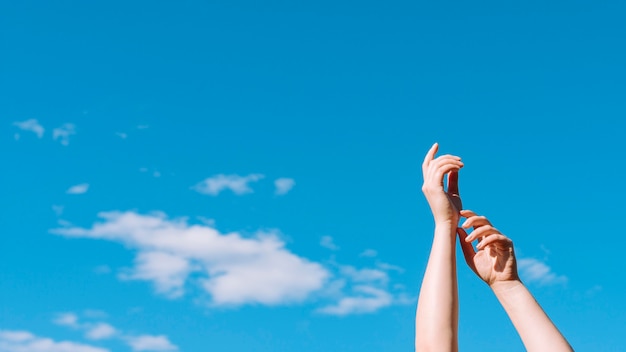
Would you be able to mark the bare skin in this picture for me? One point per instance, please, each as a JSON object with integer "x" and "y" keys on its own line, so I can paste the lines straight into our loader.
{"x": 436, "y": 321}
{"x": 493, "y": 261}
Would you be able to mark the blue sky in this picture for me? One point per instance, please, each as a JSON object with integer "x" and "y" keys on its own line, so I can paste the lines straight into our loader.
{"x": 245, "y": 176}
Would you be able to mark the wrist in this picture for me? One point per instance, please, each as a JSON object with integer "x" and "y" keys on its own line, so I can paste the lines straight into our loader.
{"x": 447, "y": 222}
{"x": 505, "y": 287}
{"x": 447, "y": 226}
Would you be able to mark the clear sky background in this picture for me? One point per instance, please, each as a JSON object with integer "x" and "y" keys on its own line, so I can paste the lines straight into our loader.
{"x": 245, "y": 176}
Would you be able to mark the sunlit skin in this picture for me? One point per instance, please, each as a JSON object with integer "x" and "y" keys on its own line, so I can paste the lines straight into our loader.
{"x": 436, "y": 321}
{"x": 493, "y": 261}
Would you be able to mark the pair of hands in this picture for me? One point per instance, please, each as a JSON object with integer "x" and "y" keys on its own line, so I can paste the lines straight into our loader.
{"x": 493, "y": 260}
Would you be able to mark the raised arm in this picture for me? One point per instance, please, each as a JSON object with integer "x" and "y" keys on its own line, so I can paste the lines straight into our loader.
{"x": 494, "y": 262}
{"x": 436, "y": 321}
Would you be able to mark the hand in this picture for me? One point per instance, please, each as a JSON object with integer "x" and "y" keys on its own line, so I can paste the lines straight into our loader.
{"x": 494, "y": 258}
{"x": 445, "y": 206}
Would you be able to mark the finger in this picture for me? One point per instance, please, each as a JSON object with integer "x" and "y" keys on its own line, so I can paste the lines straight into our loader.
{"x": 430, "y": 156}
{"x": 467, "y": 213}
{"x": 475, "y": 221}
{"x": 468, "y": 249}
{"x": 443, "y": 158}
{"x": 482, "y": 232}
{"x": 444, "y": 169}
{"x": 498, "y": 240}
{"x": 453, "y": 183}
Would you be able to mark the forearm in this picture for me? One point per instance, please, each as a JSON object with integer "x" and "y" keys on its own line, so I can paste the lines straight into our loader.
{"x": 535, "y": 328}
{"x": 436, "y": 322}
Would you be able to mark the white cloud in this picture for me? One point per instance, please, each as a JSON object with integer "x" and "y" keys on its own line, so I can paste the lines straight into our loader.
{"x": 151, "y": 343}
{"x": 168, "y": 272}
{"x": 24, "y": 341}
{"x": 237, "y": 184}
{"x": 389, "y": 267}
{"x": 233, "y": 269}
{"x": 100, "y": 331}
{"x": 31, "y": 125}
{"x": 63, "y": 133}
{"x": 367, "y": 299}
{"x": 533, "y": 270}
{"x": 284, "y": 185}
{"x": 364, "y": 290}
{"x": 122, "y": 135}
{"x": 327, "y": 242}
{"x": 365, "y": 275}
{"x": 78, "y": 189}
{"x": 370, "y": 253}
{"x": 67, "y": 319}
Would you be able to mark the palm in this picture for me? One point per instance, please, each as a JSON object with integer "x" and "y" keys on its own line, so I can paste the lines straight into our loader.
{"x": 495, "y": 263}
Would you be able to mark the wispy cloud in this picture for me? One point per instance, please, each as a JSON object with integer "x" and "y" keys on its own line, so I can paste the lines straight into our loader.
{"x": 122, "y": 135}
{"x": 328, "y": 242}
{"x": 365, "y": 299}
{"x": 67, "y": 319}
{"x": 78, "y": 189}
{"x": 100, "y": 330}
{"x": 534, "y": 270}
{"x": 63, "y": 133}
{"x": 370, "y": 253}
{"x": 284, "y": 185}
{"x": 151, "y": 343}
{"x": 31, "y": 125}
{"x": 57, "y": 209}
{"x": 218, "y": 183}
{"x": 24, "y": 341}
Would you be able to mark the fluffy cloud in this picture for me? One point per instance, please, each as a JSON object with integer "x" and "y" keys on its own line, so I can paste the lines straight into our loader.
{"x": 63, "y": 133}
{"x": 284, "y": 185}
{"x": 533, "y": 270}
{"x": 233, "y": 269}
{"x": 24, "y": 341}
{"x": 218, "y": 183}
{"x": 168, "y": 272}
{"x": 78, "y": 189}
{"x": 31, "y": 125}
{"x": 151, "y": 343}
